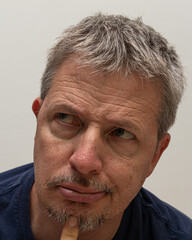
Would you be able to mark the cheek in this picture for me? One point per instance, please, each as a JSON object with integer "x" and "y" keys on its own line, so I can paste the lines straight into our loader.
{"x": 50, "y": 156}
{"x": 128, "y": 176}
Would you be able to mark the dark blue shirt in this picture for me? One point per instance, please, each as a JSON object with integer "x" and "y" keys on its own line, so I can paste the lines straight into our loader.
{"x": 146, "y": 218}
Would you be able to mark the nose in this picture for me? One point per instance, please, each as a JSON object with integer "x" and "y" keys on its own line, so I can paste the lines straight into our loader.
{"x": 85, "y": 158}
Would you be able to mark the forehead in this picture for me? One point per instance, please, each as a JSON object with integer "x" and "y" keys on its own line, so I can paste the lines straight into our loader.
{"x": 74, "y": 74}
{"x": 94, "y": 92}
{"x": 72, "y": 68}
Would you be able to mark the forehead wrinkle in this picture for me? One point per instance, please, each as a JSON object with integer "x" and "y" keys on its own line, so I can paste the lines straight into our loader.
{"x": 100, "y": 98}
{"x": 124, "y": 123}
{"x": 76, "y": 101}
{"x": 133, "y": 106}
{"x": 113, "y": 97}
{"x": 66, "y": 107}
{"x": 139, "y": 101}
{"x": 80, "y": 79}
{"x": 128, "y": 114}
{"x": 125, "y": 120}
{"x": 75, "y": 98}
{"x": 130, "y": 107}
{"x": 83, "y": 81}
{"x": 64, "y": 104}
{"x": 72, "y": 83}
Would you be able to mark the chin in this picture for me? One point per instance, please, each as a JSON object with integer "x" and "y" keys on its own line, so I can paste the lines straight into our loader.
{"x": 88, "y": 220}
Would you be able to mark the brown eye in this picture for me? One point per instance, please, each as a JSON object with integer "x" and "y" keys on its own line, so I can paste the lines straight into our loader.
{"x": 122, "y": 133}
{"x": 66, "y": 118}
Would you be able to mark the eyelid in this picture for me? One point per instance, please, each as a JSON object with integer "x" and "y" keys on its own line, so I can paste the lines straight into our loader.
{"x": 126, "y": 131}
{"x": 75, "y": 121}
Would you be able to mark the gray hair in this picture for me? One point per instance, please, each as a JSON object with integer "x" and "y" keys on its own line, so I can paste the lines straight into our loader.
{"x": 114, "y": 43}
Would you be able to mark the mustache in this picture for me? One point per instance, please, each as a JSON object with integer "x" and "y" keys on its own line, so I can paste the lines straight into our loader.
{"x": 80, "y": 180}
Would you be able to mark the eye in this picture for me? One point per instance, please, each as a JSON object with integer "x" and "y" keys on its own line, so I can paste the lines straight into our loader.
{"x": 67, "y": 118}
{"x": 122, "y": 133}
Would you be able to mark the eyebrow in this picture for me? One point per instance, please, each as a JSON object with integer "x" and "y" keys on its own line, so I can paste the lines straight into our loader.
{"x": 122, "y": 123}
{"x": 68, "y": 108}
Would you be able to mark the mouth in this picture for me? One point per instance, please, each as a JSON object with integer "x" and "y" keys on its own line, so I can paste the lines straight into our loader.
{"x": 76, "y": 193}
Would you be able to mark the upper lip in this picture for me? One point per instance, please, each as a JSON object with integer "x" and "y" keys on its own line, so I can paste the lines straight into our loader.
{"x": 78, "y": 188}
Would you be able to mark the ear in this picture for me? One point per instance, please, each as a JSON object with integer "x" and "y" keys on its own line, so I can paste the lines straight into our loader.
{"x": 36, "y": 105}
{"x": 162, "y": 145}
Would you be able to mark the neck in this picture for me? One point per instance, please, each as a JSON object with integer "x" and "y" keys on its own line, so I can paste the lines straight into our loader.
{"x": 45, "y": 228}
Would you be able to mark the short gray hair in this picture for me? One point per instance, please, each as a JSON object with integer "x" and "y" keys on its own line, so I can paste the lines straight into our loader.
{"x": 114, "y": 43}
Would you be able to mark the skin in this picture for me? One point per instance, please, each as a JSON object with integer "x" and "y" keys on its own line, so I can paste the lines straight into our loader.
{"x": 77, "y": 135}
{"x": 70, "y": 230}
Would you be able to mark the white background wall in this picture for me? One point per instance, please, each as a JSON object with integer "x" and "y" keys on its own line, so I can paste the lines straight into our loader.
{"x": 27, "y": 29}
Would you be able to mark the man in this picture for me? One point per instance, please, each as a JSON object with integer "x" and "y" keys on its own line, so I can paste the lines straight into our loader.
{"x": 109, "y": 94}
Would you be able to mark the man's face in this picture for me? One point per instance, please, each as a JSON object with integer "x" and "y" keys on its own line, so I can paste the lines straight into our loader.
{"x": 95, "y": 144}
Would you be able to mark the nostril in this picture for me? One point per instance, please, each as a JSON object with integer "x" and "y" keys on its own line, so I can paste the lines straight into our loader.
{"x": 86, "y": 162}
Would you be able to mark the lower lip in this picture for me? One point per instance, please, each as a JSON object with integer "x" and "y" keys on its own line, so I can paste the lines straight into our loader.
{"x": 75, "y": 196}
